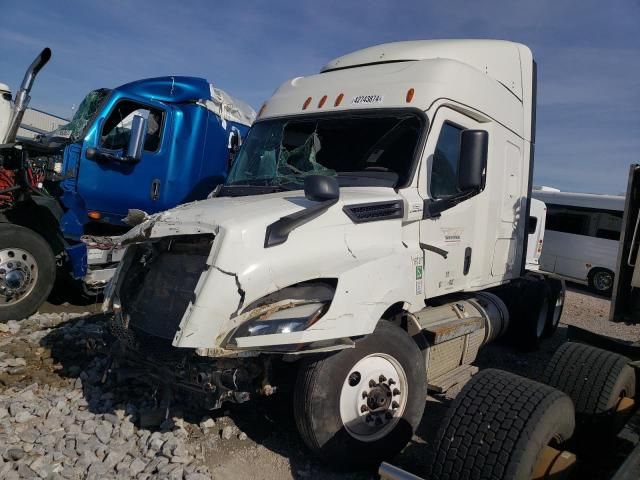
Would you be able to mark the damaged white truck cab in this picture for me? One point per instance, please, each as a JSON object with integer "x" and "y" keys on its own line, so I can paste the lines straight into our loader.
{"x": 373, "y": 227}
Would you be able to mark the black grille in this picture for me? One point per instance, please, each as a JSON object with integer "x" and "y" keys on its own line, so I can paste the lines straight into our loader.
{"x": 369, "y": 212}
{"x": 160, "y": 283}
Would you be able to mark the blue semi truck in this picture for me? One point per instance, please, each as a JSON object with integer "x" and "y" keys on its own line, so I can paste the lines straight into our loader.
{"x": 143, "y": 147}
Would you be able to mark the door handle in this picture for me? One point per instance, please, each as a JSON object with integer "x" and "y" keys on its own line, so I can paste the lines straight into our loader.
{"x": 155, "y": 189}
{"x": 467, "y": 260}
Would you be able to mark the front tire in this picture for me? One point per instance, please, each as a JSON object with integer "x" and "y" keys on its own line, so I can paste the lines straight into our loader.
{"x": 360, "y": 406}
{"x": 27, "y": 271}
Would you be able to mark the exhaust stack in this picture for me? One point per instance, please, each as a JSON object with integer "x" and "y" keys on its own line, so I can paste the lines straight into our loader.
{"x": 22, "y": 97}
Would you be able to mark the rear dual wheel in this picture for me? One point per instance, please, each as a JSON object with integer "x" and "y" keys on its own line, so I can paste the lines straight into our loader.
{"x": 535, "y": 307}
{"x": 360, "y": 406}
{"x": 501, "y": 426}
{"x": 598, "y": 382}
{"x": 556, "y": 292}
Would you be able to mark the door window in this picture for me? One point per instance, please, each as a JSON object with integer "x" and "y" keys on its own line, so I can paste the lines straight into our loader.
{"x": 444, "y": 169}
{"x": 117, "y": 127}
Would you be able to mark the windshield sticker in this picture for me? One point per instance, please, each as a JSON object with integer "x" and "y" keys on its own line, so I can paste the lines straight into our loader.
{"x": 367, "y": 99}
{"x": 417, "y": 262}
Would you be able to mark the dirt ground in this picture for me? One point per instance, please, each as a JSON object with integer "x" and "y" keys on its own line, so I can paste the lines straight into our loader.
{"x": 259, "y": 439}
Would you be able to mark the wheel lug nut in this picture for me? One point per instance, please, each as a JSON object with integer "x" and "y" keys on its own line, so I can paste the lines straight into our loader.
{"x": 395, "y": 405}
{"x": 372, "y": 383}
{"x": 382, "y": 378}
{"x": 392, "y": 381}
{"x": 365, "y": 394}
{"x": 396, "y": 392}
{"x": 364, "y": 409}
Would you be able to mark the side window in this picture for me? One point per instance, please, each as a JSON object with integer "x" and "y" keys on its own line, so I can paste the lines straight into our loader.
{"x": 584, "y": 221}
{"x": 117, "y": 127}
{"x": 567, "y": 220}
{"x": 609, "y": 225}
{"x": 444, "y": 169}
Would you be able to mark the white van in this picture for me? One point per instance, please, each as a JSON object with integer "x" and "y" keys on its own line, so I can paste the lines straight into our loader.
{"x": 581, "y": 236}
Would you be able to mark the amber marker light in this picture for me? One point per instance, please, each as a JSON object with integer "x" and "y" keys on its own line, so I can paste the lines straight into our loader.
{"x": 410, "y": 93}
{"x": 94, "y": 215}
{"x": 321, "y": 102}
{"x": 306, "y": 103}
{"x": 338, "y": 100}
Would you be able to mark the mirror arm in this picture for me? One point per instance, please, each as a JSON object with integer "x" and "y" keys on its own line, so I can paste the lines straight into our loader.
{"x": 100, "y": 156}
{"x": 433, "y": 208}
{"x": 278, "y": 231}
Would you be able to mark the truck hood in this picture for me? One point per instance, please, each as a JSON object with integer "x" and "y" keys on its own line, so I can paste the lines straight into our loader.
{"x": 249, "y": 213}
{"x": 241, "y": 270}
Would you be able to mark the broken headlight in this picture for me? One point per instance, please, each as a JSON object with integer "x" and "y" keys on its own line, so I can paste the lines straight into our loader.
{"x": 287, "y": 320}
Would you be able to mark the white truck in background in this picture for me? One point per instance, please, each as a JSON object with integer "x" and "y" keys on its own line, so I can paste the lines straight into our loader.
{"x": 371, "y": 237}
{"x": 581, "y": 236}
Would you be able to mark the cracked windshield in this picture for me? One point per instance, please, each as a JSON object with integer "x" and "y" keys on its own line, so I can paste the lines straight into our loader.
{"x": 362, "y": 149}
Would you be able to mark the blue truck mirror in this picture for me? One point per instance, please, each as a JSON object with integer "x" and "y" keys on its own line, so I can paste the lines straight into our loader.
{"x": 137, "y": 138}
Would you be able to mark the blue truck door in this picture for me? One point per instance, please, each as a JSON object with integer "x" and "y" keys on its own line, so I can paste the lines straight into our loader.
{"x": 113, "y": 187}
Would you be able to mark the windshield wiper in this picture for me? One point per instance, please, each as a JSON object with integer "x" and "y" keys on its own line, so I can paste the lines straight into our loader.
{"x": 243, "y": 190}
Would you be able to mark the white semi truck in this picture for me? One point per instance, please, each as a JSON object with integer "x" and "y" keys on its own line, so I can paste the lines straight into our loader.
{"x": 371, "y": 236}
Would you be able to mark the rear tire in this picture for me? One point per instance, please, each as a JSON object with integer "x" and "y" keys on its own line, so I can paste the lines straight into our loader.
{"x": 498, "y": 426}
{"x": 27, "y": 271}
{"x": 601, "y": 281}
{"x": 556, "y": 291}
{"x": 331, "y": 410}
{"x": 528, "y": 303}
{"x": 596, "y": 380}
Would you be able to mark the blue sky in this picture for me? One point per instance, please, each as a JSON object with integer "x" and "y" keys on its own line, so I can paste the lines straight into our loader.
{"x": 588, "y": 55}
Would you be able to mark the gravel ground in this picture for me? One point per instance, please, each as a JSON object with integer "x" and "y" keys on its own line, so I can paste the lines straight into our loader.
{"x": 62, "y": 417}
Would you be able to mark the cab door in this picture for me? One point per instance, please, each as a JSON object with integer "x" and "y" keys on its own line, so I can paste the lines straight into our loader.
{"x": 450, "y": 238}
{"x": 113, "y": 187}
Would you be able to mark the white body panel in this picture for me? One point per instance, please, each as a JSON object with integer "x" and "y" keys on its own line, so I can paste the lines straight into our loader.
{"x": 579, "y": 241}
{"x": 6, "y": 110}
{"x": 484, "y": 85}
{"x": 538, "y": 211}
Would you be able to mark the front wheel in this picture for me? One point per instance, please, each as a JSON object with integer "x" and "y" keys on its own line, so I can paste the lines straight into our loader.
{"x": 361, "y": 406}
{"x": 27, "y": 271}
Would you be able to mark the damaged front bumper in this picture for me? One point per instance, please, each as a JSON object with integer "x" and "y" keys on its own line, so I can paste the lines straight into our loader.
{"x": 209, "y": 381}
{"x": 159, "y": 290}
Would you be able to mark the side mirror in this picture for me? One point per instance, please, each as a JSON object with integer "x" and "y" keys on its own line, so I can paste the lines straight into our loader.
{"x": 474, "y": 147}
{"x": 137, "y": 138}
{"x": 235, "y": 142}
{"x": 321, "y": 188}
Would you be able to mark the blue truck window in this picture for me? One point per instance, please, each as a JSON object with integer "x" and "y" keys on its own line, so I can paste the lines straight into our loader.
{"x": 117, "y": 127}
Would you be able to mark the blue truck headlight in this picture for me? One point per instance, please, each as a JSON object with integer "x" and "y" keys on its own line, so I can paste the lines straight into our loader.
{"x": 287, "y": 320}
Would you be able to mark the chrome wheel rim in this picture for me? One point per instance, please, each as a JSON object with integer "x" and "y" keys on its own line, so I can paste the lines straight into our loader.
{"x": 18, "y": 275}
{"x": 373, "y": 397}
